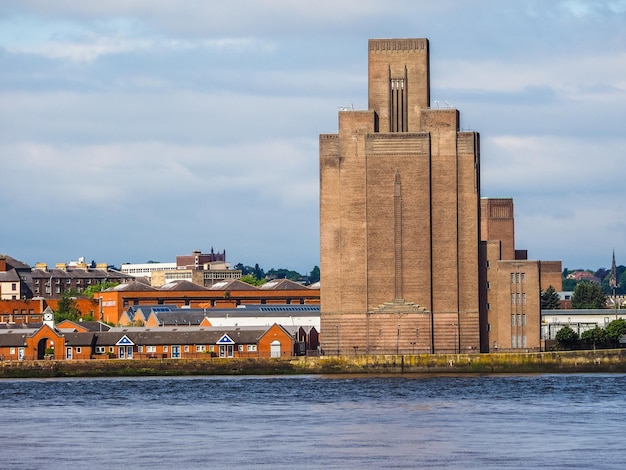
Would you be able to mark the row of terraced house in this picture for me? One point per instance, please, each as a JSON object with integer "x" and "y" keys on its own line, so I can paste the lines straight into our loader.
{"x": 169, "y": 313}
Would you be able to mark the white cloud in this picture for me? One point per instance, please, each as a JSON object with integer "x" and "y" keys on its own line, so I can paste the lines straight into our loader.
{"x": 88, "y": 51}
{"x": 127, "y": 120}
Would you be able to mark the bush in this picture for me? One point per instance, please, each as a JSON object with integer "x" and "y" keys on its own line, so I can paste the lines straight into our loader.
{"x": 595, "y": 338}
{"x": 566, "y": 338}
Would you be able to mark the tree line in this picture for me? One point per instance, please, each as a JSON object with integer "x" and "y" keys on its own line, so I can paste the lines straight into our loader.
{"x": 603, "y": 275}
{"x": 586, "y": 295}
{"x": 256, "y": 276}
{"x": 596, "y": 338}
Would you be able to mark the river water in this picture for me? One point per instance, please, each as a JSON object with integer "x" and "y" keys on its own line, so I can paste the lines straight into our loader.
{"x": 452, "y": 422}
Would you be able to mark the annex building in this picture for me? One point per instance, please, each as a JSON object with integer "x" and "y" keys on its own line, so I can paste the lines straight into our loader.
{"x": 408, "y": 260}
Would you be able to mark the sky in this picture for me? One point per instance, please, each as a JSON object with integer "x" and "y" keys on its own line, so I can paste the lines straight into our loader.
{"x": 139, "y": 130}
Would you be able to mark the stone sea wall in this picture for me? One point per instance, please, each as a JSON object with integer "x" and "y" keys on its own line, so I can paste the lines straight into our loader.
{"x": 613, "y": 360}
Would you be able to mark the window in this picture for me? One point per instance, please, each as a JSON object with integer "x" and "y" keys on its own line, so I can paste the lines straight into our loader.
{"x": 186, "y": 348}
{"x": 166, "y": 348}
{"x": 512, "y": 299}
{"x": 512, "y": 320}
{"x": 517, "y": 278}
{"x": 524, "y": 298}
{"x": 512, "y": 278}
{"x": 523, "y": 277}
{"x": 488, "y": 306}
{"x": 110, "y": 348}
{"x": 211, "y": 348}
{"x": 200, "y": 348}
{"x": 139, "y": 349}
{"x": 100, "y": 349}
{"x": 14, "y": 286}
{"x": 151, "y": 349}
{"x": 79, "y": 350}
{"x": 488, "y": 285}
{"x": 251, "y": 347}
{"x": 12, "y": 351}
{"x": 524, "y": 319}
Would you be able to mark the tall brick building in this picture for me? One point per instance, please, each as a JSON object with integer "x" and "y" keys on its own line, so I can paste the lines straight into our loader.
{"x": 511, "y": 319}
{"x": 399, "y": 214}
{"x": 403, "y": 263}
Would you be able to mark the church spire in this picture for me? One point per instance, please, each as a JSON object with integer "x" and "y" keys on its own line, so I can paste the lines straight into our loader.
{"x": 613, "y": 278}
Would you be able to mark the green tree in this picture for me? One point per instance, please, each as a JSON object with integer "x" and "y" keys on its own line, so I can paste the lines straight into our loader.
{"x": 92, "y": 289}
{"x": 315, "y": 275}
{"x": 615, "y": 330}
{"x": 66, "y": 309}
{"x": 569, "y": 285}
{"x": 566, "y": 338}
{"x": 550, "y": 299}
{"x": 252, "y": 280}
{"x": 284, "y": 274}
{"x": 588, "y": 295}
{"x": 258, "y": 272}
{"x": 595, "y": 338}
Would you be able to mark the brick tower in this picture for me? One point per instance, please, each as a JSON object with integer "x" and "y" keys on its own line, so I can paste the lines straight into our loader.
{"x": 399, "y": 217}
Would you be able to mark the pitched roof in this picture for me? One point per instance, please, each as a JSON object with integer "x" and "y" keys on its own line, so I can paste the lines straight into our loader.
{"x": 79, "y": 338}
{"x": 133, "y": 286}
{"x": 181, "y": 285}
{"x": 282, "y": 284}
{"x": 183, "y": 317}
{"x": 233, "y": 284}
{"x": 15, "y": 264}
{"x": 86, "y": 325}
{"x": 10, "y": 275}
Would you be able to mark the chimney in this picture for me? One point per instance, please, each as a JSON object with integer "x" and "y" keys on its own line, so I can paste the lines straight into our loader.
{"x": 3, "y": 264}
{"x": 42, "y": 266}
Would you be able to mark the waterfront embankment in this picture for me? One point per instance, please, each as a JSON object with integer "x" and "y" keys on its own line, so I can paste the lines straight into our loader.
{"x": 613, "y": 360}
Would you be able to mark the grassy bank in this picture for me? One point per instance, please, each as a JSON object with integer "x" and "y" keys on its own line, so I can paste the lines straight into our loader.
{"x": 613, "y": 360}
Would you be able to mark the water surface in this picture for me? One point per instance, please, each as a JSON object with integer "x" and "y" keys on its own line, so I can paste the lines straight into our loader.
{"x": 499, "y": 422}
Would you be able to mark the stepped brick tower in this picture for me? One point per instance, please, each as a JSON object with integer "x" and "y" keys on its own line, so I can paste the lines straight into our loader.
{"x": 399, "y": 217}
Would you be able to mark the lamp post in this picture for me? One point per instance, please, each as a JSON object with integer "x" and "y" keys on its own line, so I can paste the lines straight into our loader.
{"x": 398, "y": 341}
{"x": 338, "y": 344}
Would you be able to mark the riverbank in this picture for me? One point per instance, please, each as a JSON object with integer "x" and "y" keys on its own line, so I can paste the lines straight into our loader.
{"x": 613, "y": 360}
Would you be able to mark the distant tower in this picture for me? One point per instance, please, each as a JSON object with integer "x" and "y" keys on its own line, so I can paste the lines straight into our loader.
{"x": 613, "y": 279}
{"x": 399, "y": 216}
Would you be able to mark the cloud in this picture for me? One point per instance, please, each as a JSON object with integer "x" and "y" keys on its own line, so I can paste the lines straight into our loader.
{"x": 144, "y": 129}
{"x": 94, "y": 48}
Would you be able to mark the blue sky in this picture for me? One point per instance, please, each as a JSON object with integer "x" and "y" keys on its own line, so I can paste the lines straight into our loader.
{"x": 136, "y": 130}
